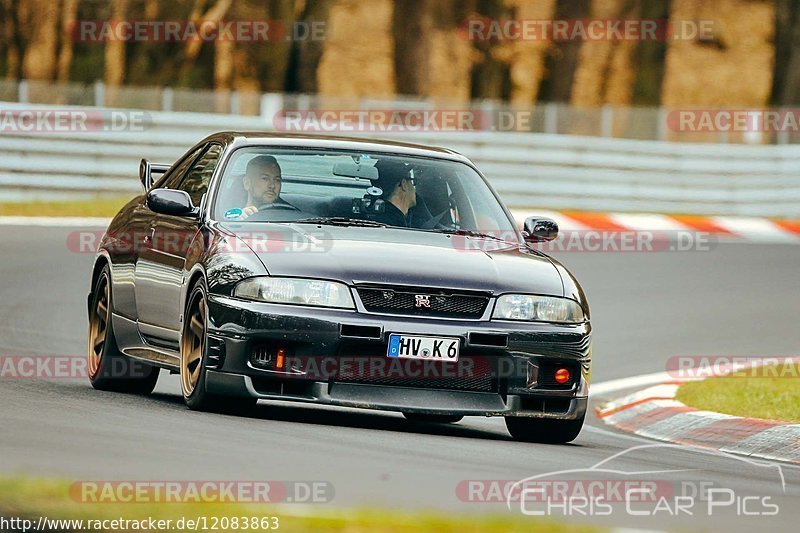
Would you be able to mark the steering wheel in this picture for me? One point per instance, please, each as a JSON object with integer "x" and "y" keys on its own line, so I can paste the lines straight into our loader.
{"x": 277, "y": 206}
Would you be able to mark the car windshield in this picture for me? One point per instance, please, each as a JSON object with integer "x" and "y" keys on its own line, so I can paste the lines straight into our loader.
{"x": 265, "y": 184}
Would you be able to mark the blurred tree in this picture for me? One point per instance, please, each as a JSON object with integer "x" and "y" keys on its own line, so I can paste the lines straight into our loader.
{"x": 39, "y": 60}
{"x": 215, "y": 12}
{"x": 12, "y": 41}
{"x": 491, "y": 72}
{"x": 69, "y": 11}
{"x": 605, "y": 73}
{"x": 786, "y": 69}
{"x": 562, "y": 60}
{"x": 305, "y": 54}
{"x": 114, "y": 72}
{"x": 528, "y": 55}
{"x": 650, "y": 57}
{"x": 412, "y": 45}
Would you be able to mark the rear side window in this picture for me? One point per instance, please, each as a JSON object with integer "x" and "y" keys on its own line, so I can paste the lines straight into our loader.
{"x": 197, "y": 179}
{"x": 173, "y": 177}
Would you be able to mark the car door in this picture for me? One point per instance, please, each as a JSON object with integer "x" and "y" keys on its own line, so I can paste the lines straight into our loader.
{"x": 160, "y": 261}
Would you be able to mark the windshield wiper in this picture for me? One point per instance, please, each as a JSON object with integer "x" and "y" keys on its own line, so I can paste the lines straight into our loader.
{"x": 341, "y": 221}
{"x": 471, "y": 233}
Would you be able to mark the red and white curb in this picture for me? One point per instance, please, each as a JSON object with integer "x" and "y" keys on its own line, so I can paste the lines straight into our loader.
{"x": 656, "y": 414}
{"x": 752, "y": 229}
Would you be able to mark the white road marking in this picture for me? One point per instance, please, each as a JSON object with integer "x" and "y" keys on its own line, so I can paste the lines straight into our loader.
{"x": 615, "y": 385}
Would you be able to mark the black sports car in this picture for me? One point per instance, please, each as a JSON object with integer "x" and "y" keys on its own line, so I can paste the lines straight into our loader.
{"x": 339, "y": 271}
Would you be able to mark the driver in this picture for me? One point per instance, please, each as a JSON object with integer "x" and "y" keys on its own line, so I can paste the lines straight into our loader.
{"x": 262, "y": 182}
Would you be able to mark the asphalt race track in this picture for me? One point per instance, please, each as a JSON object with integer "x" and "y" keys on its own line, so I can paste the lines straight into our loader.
{"x": 738, "y": 299}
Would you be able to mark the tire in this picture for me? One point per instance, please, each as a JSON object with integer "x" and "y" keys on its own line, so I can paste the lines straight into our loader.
{"x": 544, "y": 430}
{"x": 436, "y": 419}
{"x": 108, "y": 368}
{"x": 193, "y": 348}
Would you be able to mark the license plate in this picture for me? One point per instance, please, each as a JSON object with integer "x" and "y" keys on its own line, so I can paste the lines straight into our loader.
{"x": 415, "y": 347}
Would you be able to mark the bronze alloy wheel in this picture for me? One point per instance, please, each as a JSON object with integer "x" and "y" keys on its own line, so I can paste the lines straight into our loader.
{"x": 98, "y": 325}
{"x": 193, "y": 344}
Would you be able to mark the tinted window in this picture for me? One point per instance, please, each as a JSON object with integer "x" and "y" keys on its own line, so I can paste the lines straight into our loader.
{"x": 172, "y": 178}
{"x": 196, "y": 181}
{"x": 286, "y": 185}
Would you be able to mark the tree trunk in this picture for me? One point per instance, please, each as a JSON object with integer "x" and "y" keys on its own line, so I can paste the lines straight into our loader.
{"x": 39, "y": 62}
{"x": 563, "y": 58}
{"x": 223, "y": 73}
{"x": 191, "y": 50}
{"x": 115, "y": 49}
{"x": 305, "y": 55}
{"x": 68, "y": 14}
{"x": 650, "y": 58}
{"x": 604, "y": 74}
{"x": 491, "y": 73}
{"x": 11, "y": 34}
{"x": 786, "y": 72}
{"x": 411, "y": 31}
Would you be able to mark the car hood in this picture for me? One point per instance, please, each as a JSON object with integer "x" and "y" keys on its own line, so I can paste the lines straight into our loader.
{"x": 399, "y": 257}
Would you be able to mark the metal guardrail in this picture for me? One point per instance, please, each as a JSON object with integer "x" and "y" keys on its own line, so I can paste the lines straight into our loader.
{"x": 529, "y": 170}
{"x": 609, "y": 121}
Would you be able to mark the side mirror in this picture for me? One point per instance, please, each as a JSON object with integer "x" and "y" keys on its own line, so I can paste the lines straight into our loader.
{"x": 539, "y": 229}
{"x": 171, "y": 202}
{"x": 148, "y": 171}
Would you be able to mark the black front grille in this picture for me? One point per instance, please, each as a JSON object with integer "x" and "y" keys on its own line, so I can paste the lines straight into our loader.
{"x": 368, "y": 364}
{"x": 468, "y": 374}
{"x": 423, "y": 302}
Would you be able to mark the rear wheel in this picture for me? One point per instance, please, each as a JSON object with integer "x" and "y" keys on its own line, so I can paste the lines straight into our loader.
{"x": 108, "y": 368}
{"x": 544, "y": 430}
{"x": 438, "y": 419}
{"x": 194, "y": 340}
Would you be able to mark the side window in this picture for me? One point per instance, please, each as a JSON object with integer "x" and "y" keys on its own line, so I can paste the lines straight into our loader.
{"x": 197, "y": 179}
{"x": 172, "y": 178}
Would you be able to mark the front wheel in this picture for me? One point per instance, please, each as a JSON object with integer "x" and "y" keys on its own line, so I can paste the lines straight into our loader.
{"x": 544, "y": 430}
{"x": 108, "y": 368}
{"x": 194, "y": 341}
{"x": 437, "y": 419}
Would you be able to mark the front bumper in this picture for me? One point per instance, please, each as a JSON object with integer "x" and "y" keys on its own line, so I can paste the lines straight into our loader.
{"x": 508, "y": 379}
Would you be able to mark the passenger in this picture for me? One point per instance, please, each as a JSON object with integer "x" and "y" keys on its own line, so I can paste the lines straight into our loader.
{"x": 399, "y": 195}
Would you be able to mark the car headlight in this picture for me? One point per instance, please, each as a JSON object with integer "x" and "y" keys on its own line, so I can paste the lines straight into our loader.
{"x": 538, "y": 309}
{"x": 295, "y": 291}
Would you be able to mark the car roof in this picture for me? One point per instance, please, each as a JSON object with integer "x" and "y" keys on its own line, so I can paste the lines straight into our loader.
{"x": 261, "y": 138}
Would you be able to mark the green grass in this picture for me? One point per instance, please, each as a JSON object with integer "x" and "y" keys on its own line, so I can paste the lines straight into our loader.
{"x": 98, "y": 207}
{"x": 742, "y": 394}
{"x": 30, "y": 498}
